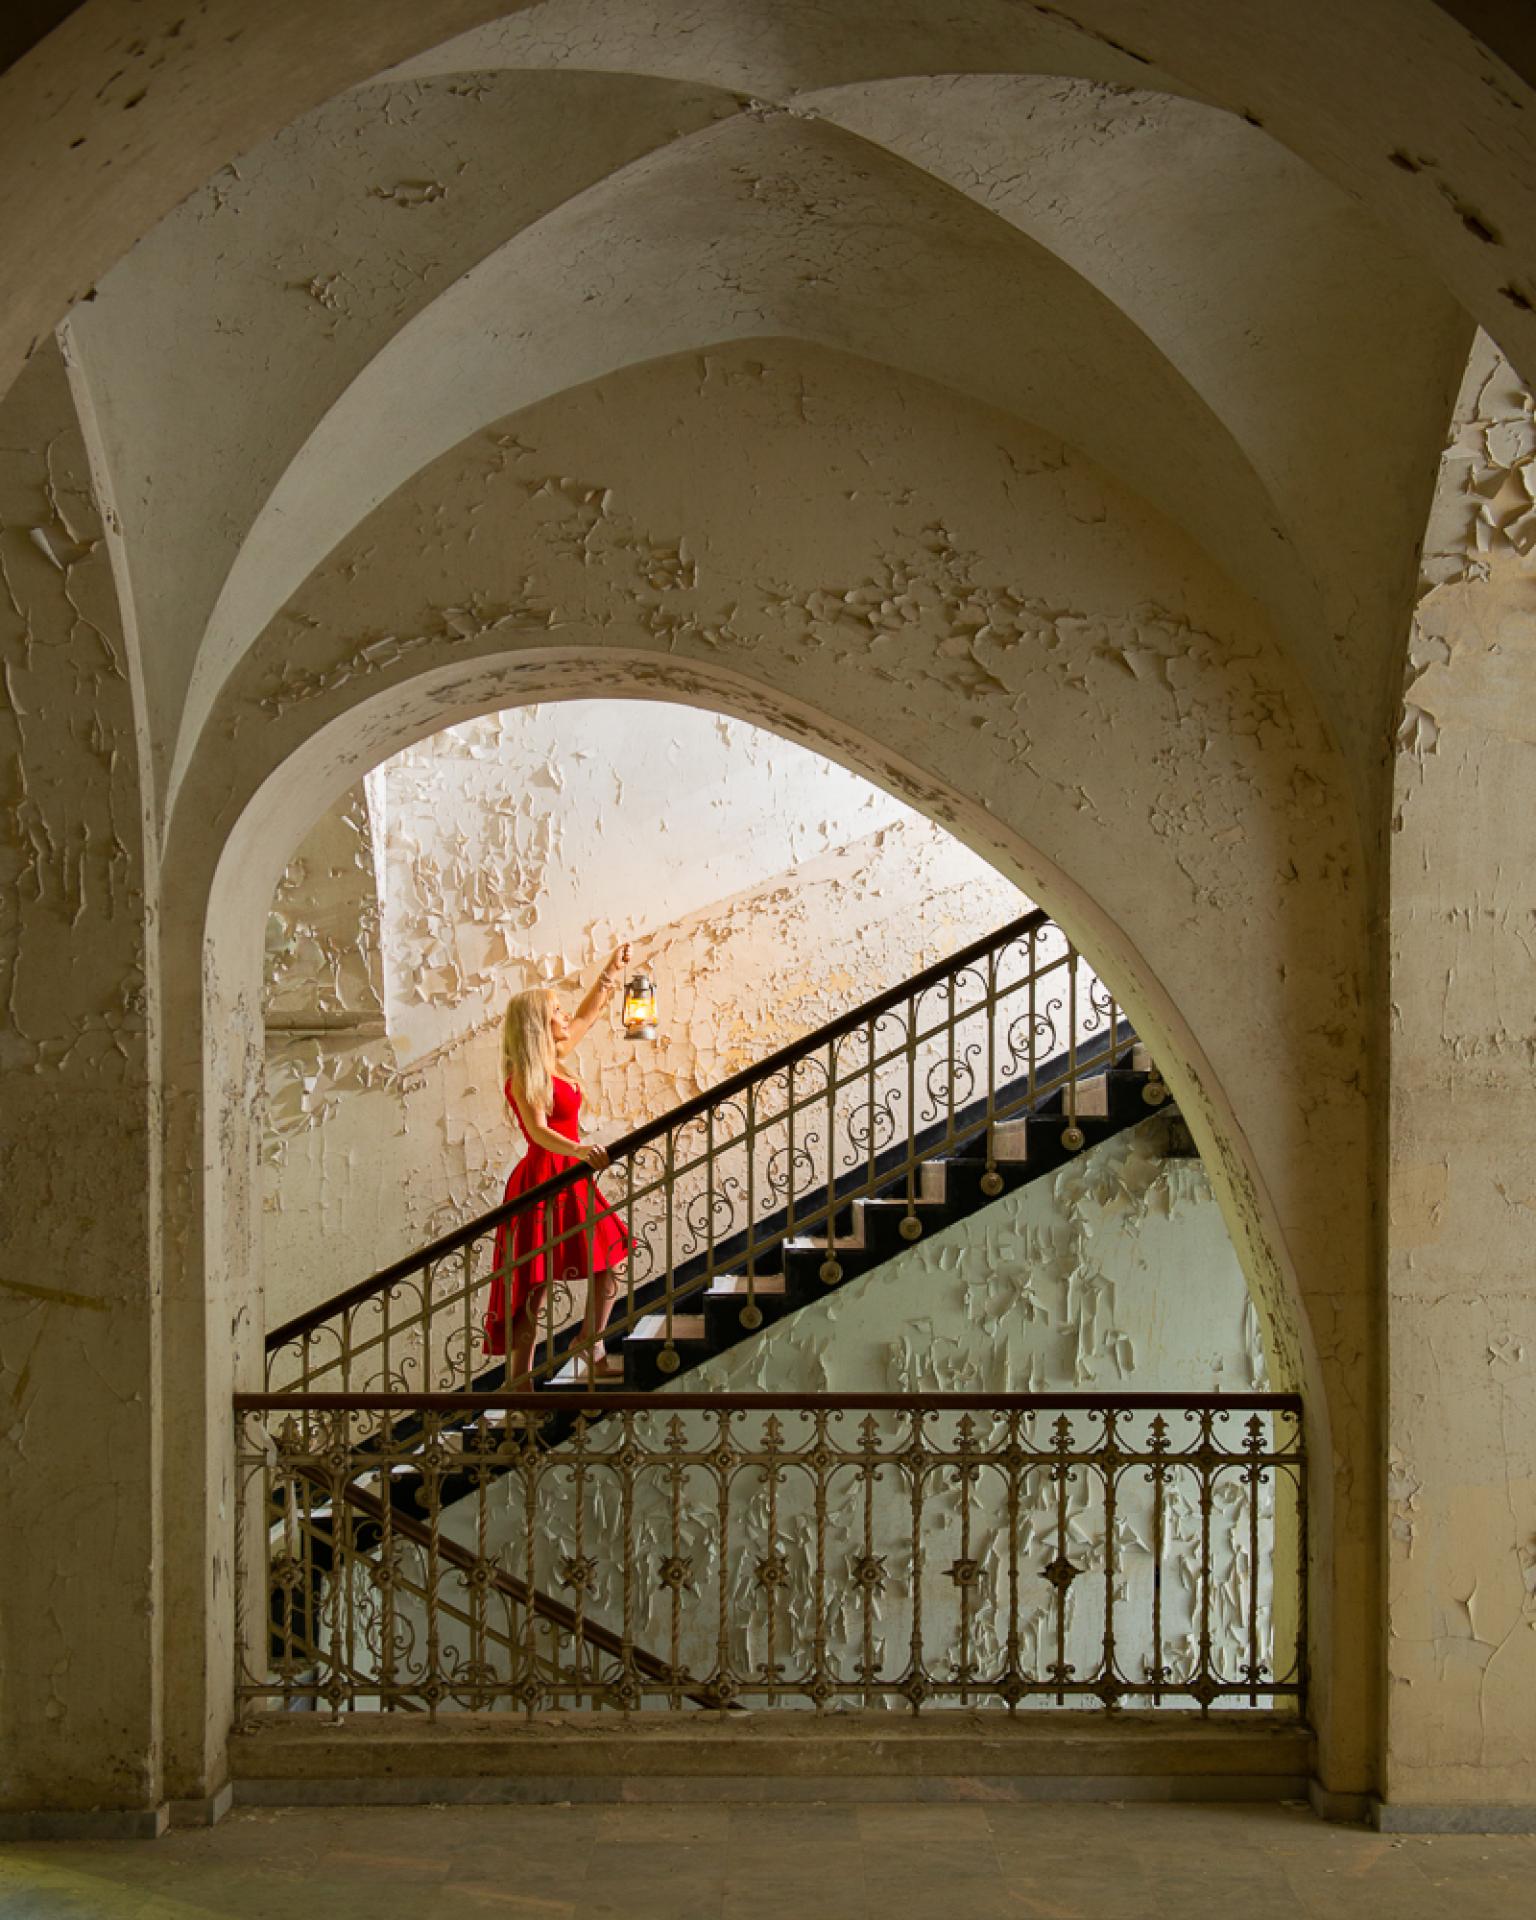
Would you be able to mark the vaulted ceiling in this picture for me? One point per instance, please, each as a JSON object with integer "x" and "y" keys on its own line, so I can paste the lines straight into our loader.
{"x": 991, "y": 197}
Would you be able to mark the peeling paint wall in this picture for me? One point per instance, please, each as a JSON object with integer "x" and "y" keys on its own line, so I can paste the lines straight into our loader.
{"x": 417, "y": 182}
{"x": 79, "y": 1359}
{"x": 324, "y": 952}
{"x": 1462, "y": 1283}
{"x": 519, "y": 849}
{"x": 1169, "y": 288}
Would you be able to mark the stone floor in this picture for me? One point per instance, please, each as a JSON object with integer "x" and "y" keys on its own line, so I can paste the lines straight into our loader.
{"x": 969, "y": 1862}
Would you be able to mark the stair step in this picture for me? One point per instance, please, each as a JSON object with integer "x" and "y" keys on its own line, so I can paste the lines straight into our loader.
{"x": 1093, "y": 1097}
{"x": 686, "y": 1327}
{"x": 735, "y": 1286}
{"x": 929, "y": 1181}
{"x": 609, "y": 1372}
{"x": 1119, "y": 1094}
{"x": 733, "y": 1307}
{"x": 817, "y": 1243}
{"x": 889, "y": 1225}
{"x": 649, "y": 1362}
{"x": 1010, "y": 1140}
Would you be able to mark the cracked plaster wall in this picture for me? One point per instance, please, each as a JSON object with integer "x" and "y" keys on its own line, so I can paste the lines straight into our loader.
{"x": 79, "y": 1356}
{"x": 1462, "y": 1430}
{"x": 517, "y": 847}
{"x": 127, "y": 109}
{"x": 417, "y": 183}
{"x": 378, "y": 1141}
{"x": 324, "y": 945}
{"x": 1194, "y": 306}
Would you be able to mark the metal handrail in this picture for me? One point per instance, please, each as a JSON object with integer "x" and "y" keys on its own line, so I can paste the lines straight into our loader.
{"x": 675, "y": 1117}
{"x": 612, "y": 1401}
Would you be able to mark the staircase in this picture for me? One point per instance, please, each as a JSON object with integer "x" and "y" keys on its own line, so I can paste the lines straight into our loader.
{"x": 984, "y": 1072}
{"x": 866, "y": 1232}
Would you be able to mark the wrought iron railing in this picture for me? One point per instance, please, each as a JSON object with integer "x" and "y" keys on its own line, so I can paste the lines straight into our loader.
{"x": 719, "y": 1185}
{"x": 906, "y": 1550}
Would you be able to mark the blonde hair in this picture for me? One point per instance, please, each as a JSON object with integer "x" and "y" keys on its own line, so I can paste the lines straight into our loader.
{"x": 528, "y": 1049}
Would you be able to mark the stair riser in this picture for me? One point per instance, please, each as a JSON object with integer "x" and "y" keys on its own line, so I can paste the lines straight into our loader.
{"x": 1046, "y": 1151}
{"x": 1126, "y": 1104}
{"x": 965, "y": 1177}
{"x": 1120, "y": 1091}
{"x": 643, "y": 1372}
{"x": 722, "y": 1318}
{"x": 883, "y": 1237}
{"x": 802, "y": 1273}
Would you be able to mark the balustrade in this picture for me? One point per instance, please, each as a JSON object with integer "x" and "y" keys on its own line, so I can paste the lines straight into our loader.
{"x": 677, "y": 1551}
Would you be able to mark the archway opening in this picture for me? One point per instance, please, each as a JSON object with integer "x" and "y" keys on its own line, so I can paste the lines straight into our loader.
{"x": 389, "y": 953}
{"x": 769, "y": 890}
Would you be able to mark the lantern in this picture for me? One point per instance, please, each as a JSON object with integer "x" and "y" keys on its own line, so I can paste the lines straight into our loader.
{"x": 640, "y": 1007}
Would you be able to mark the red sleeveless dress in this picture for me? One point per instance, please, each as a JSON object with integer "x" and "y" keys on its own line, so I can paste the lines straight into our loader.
{"x": 522, "y": 1244}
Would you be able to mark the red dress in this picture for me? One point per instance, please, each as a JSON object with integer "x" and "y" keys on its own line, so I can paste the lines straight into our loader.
{"x": 579, "y": 1210}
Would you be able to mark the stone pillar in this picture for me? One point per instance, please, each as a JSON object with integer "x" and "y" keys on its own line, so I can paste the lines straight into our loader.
{"x": 80, "y": 1387}
{"x": 1461, "y": 1718}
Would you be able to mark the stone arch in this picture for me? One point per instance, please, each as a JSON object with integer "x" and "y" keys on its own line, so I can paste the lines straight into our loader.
{"x": 226, "y": 1280}
{"x": 1132, "y": 659}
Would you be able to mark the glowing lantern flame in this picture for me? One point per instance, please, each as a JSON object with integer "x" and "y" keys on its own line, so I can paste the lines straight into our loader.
{"x": 640, "y": 1008}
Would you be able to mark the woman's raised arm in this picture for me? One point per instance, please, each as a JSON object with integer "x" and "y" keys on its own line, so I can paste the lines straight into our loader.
{"x": 601, "y": 989}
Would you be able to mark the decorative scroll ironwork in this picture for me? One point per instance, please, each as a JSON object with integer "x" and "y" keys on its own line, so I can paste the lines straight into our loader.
{"x": 474, "y": 1553}
{"x": 719, "y": 1185}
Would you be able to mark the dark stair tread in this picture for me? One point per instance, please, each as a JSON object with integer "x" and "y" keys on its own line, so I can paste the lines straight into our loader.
{"x": 818, "y": 1243}
{"x": 736, "y": 1286}
{"x": 687, "y": 1328}
{"x": 609, "y": 1373}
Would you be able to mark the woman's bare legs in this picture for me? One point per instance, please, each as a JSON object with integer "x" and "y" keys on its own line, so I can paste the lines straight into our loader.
{"x": 601, "y": 1295}
{"x": 522, "y": 1337}
{"x": 523, "y": 1334}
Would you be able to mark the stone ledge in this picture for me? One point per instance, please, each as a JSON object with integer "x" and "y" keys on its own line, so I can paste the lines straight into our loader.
{"x": 1397, "y": 1816}
{"x": 85, "y": 1823}
{"x": 399, "y": 1758}
{"x": 720, "y": 1789}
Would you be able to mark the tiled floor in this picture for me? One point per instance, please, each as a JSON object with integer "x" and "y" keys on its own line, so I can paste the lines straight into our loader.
{"x": 804, "y": 1863}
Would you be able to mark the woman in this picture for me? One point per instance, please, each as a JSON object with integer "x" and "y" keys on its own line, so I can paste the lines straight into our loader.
{"x": 575, "y": 1235}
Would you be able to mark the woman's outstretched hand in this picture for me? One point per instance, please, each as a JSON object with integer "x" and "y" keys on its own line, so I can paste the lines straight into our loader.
{"x": 595, "y": 1157}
